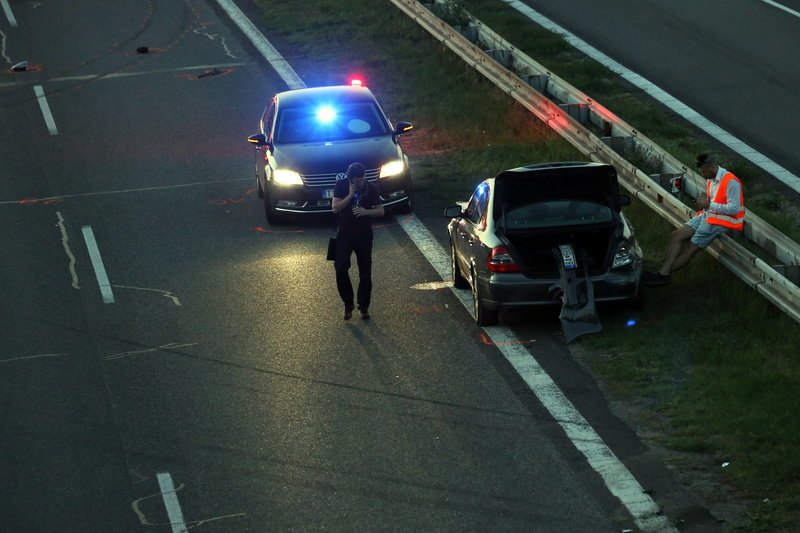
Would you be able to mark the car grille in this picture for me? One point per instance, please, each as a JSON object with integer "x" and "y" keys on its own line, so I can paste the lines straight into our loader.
{"x": 329, "y": 180}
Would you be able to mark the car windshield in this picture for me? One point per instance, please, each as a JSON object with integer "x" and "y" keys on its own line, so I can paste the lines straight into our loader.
{"x": 556, "y": 213}
{"x": 337, "y": 122}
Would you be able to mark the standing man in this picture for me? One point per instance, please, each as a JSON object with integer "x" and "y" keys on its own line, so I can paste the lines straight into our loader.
{"x": 720, "y": 211}
{"x": 356, "y": 201}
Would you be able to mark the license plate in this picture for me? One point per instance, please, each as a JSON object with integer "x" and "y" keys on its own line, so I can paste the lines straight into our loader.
{"x": 568, "y": 256}
{"x": 327, "y": 193}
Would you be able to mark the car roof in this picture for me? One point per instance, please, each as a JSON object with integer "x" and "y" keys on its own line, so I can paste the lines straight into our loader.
{"x": 335, "y": 93}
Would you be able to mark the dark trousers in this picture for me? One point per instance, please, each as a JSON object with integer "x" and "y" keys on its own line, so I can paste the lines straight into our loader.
{"x": 361, "y": 244}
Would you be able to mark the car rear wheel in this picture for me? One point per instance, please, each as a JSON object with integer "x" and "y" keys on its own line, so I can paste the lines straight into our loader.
{"x": 274, "y": 217}
{"x": 459, "y": 281}
{"x": 483, "y": 315}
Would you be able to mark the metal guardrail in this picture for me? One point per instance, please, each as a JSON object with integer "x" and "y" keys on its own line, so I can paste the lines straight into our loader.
{"x": 604, "y": 137}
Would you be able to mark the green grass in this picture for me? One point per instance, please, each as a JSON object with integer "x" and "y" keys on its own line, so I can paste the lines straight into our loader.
{"x": 713, "y": 366}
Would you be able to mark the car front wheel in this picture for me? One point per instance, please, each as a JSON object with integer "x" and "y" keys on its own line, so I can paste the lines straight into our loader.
{"x": 274, "y": 217}
{"x": 459, "y": 281}
{"x": 407, "y": 205}
{"x": 259, "y": 189}
{"x": 483, "y": 315}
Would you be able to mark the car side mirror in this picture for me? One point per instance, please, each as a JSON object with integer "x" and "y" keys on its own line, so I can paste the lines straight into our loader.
{"x": 454, "y": 211}
{"x": 258, "y": 139}
{"x": 403, "y": 127}
{"x": 624, "y": 200}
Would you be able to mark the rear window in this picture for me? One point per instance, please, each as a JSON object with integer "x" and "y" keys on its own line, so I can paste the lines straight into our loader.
{"x": 557, "y": 213}
{"x": 337, "y": 122}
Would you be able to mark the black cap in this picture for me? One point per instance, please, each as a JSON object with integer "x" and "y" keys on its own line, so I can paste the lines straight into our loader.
{"x": 705, "y": 159}
{"x": 356, "y": 170}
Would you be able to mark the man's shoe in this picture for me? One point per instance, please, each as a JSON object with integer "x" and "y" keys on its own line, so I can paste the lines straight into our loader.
{"x": 348, "y": 313}
{"x": 364, "y": 314}
{"x": 655, "y": 279}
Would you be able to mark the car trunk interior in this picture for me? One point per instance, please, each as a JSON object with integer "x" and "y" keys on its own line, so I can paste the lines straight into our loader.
{"x": 537, "y": 211}
{"x": 535, "y": 250}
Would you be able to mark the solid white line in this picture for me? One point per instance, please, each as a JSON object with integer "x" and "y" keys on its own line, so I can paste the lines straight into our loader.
{"x": 616, "y": 476}
{"x": 9, "y": 14}
{"x": 97, "y": 263}
{"x": 782, "y": 8}
{"x": 171, "y": 503}
{"x": 281, "y": 66}
{"x": 45, "y": 107}
{"x": 732, "y": 142}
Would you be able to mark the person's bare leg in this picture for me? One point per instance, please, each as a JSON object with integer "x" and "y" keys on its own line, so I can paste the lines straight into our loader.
{"x": 676, "y": 240}
{"x": 685, "y": 256}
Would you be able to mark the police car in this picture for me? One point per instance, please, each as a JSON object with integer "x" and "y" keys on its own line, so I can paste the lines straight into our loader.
{"x": 307, "y": 139}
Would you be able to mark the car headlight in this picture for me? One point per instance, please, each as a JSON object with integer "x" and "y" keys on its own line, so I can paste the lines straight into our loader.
{"x": 283, "y": 176}
{"x": 623, "y": 257}
{"x": 393, "y": 168}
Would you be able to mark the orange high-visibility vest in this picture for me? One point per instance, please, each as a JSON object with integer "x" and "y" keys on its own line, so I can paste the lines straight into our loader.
{"x": 734, "y": 222}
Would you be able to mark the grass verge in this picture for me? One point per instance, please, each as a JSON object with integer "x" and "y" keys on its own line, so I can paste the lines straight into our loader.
{"x": 709, "y": 359}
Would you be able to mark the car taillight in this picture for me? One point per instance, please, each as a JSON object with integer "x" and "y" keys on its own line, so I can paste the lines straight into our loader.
{"x": 500, "y": 260}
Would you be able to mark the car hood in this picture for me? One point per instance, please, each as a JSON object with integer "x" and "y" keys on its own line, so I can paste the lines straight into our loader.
{"x": 593, "y": 182}
{"x": 335, "y": 157}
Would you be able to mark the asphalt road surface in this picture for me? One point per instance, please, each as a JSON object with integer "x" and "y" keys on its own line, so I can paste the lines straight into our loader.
{"x": 166, "y": 357}
{"x": 736, "y": 63}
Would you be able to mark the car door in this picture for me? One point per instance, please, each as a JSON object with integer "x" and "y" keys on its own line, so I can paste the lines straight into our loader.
{"x": 469, "y": 229}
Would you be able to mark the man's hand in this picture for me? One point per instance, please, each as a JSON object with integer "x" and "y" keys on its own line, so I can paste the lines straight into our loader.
{"x": 360, "y": 212}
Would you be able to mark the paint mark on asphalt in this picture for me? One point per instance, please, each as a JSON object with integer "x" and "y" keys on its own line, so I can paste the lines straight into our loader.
{"x": 169, "y": 346}
{"x": 166, "y": 294}
{"x": 26, "y": 357}
{"x": 65, "y": 243}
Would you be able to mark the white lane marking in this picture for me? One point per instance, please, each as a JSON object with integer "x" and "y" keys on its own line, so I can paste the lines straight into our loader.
{"x": 782, "y": 8}
{"x": 170, "y": 346}
{"x": 166, "y": 294}
{"x": 136, "y": 505}
{"x": 666, "y": 99}
{"x": 281, "y": 66}
{"x": 25, "y": 357}
{"x": 125, "y": 191}
{"x": 432, "y": 286}
{"x": 617, "y": 478}
{"x": 170, "y": 497}
{"x": 65, "y": 243}
{"x": 45, "y": 107}
{"x": 97, "y": 263}
{"x": 9, "y": 14}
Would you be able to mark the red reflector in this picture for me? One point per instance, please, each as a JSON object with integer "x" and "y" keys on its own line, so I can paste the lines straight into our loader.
{"x": 500, "y": 260}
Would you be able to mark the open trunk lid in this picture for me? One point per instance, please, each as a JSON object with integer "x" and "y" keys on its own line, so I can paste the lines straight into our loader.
{"x": 540, "y": 207}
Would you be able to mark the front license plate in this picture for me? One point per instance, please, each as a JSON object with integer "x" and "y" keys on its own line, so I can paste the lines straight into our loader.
{"x": 327, "y": 193}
